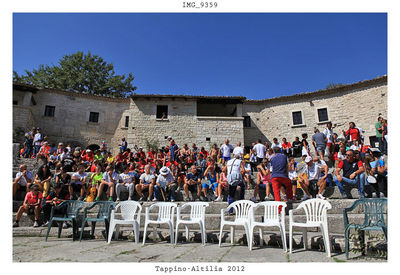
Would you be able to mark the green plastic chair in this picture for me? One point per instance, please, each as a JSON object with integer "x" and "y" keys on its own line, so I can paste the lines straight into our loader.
{"x": 373, "y": 220}
{"x": 73, "y": 208}
{"x": 103, "y": 215}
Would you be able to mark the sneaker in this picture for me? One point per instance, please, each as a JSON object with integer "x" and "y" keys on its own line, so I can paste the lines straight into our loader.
{"x": 218, "y": 199}
{"x": 253, "y": 199}
{"x": 45, "y": 224}
{"x": 319, "y": 196}
{"x": 374, "y": 195}
{"x": 35, "y": 224}
{"x": 172, "y": 200}
{"x": 148, "y": 199}
{"x": 16, "y": 224}
{"x": 381, "y": 195}
{"x": 306, "y": 197}
{"x": 117, "y": 200}
{"x": 197, "y": 199}
{"x": 80, "y": 199}
{"x": 96, "y": 199}
{"x": 343, "y": 196}
{"x": 129, "y": 199}
{"x": 110, "y": 199}
{"x": 155, "y": 199}
{"x": 141, "y": 199}
{"x": 65, "y": 225}
{"x": 186, "y": 199}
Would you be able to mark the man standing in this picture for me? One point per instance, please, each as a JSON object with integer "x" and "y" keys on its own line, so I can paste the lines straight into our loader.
{"x": 279, "y": 175}
{"x": 319, "y": 142}
{"x": 379, "y": 136}
{"x": 234, "y": 170}
{"x": 173, "y": 149}
{"x": 260, "y": 150}
{"x": 225, "y": 151}
{"x": 329, "y": 139}
{"x": 353, "y": 174}
{"x": 239, "y": 150}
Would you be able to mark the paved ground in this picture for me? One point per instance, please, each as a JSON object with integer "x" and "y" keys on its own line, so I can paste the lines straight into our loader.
{"x": 35, "y": 249}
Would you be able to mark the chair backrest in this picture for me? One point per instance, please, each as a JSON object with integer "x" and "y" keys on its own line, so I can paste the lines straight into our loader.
{"x": 242, "y": 208}
{"x": 271, "y": 210}
{"x": 315, "y": 209}
{"x": 197, "y": 209}
{"x": 373, "y": 209}
{"x": 128, "y": 209}
{"x": 72, "y": 206}
{"x": 104, "y": 208}
{"x": 165, "y": 210}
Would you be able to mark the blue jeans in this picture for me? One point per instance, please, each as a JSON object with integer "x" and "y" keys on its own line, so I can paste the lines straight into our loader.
{"x": 157, "y": 192}
{"x": 382, "y": 145}
{"x": 36, "y": 149}
{"x": 28, "y": 151}
{"x": 358, "y": 181}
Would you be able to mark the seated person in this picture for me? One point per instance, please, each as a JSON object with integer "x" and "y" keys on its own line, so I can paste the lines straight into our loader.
{"x": 110, "y": 178}
{"x": 43, "y": 178}
{"x": 315, "y": 180}
{"x": 32, "y": 204}
{"x": 55, "y": 198}
{"x": 63, "y": 178}
{"x": 263, "y": 180}
{"x": 247, "y": 173}
{"x": 126, "y": 183}
{"x": 293, "y": 175}
{"x": 95, "y": 181}
{"x": 164, "y": 183}
{"x": 146, "y": 181}
{"x": 22, "y": 179}
{"x": 376, "y": 174}
{"x": 353, "y": 174}
{"x": 78, "y": 183}
{"x": 222, "y": 184}
{"x": 213, "y": 179}
{"x": 192, "y": 183}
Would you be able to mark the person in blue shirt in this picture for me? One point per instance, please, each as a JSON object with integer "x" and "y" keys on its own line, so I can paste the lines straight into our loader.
{"x": 279, "y": 175}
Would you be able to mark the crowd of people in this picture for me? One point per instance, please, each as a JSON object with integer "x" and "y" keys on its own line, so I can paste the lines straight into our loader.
{"x": 76, "y": 173}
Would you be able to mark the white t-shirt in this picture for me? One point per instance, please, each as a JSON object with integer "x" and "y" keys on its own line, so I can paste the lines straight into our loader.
{"x": 226, "y": 150}
{"x": 79, "y": 176}
{"x": 163, "y": 180}
{"x": 341, "y": 156}
{"x": 234, "y": 165}
{"x": 238, "y": 151}
{"x": 314, "y": 171}
{"x": 260, "y": 150}
{"x": 247, "y": 168}
{"x": 276, "y": 145}
{"x": 114, "y": 175}
{"x": 147, "y": 178}
{"x": 329, "y": 135}
{"x": 130, "y": 177}
{"x": 22, "y": 181}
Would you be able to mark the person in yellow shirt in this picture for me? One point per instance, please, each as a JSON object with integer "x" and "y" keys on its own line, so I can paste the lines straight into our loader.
{"x": 110, "y": 158}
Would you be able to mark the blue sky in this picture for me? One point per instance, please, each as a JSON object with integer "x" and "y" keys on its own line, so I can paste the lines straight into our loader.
{"x": 254, "y": 55}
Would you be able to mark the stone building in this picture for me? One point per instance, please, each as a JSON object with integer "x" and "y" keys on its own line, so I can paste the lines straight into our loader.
{"x": 88, "y": 119}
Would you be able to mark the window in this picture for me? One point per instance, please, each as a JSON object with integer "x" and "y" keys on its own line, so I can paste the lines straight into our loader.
{"x": 323, "y": 115}
{"x": 246, "y": 121}
{"x": 162, "y": 112}
{"x": 127, "y": 121}
{"x": 49, "y": 110}
{"x": 208, "y": 139}
{"x": 297, "y": 118}
{"x": 94, "y": 117}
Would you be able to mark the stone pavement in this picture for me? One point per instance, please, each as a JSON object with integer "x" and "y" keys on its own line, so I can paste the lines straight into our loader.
{"x": 35, "y": 249}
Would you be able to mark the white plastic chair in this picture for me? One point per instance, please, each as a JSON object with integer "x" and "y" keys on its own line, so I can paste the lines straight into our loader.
{"x": 316, "y": 216}
{"x": 242, "y": 211}
{"x": 128, "y": 211}
{"x": 165, "y": 215}
{"x": 197, "y": 216}
{"x": 271, "y": 218}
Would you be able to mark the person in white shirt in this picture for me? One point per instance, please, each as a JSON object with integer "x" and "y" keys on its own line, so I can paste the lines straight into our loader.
{"x": 234, "y": 170}
{"x": 239, "y": 150}
{"x": 164, "y": 181}
{"x": 328, "y": 132}
{"x": 110, "y": 179}
{"x": 260, "y": 150}
{"x": 275, "y": 143}
{"x": 147, "y": 180}
{"x": 316, "y": 179}
{"x": 126, "y": 183}
{"x": 22, "y": 179}
{"x": 78, "y": 182}
{"x": 225, "y": 151}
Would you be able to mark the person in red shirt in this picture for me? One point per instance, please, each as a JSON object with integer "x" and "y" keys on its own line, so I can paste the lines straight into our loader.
{"x": 44, "y": 151}
{"x": 88, "y": 156}
{"x": 286, "y": 147}
{"x": 203, "y": 152}
{"x": 353, "y": 133}
{"x": 151, "y": 155}
{"x": 32, "y": 203}
{"x": 140, "y": 154}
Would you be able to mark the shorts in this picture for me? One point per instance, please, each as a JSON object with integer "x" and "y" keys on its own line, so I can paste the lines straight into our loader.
{"x": 192, "y": 188}
{"x": 321, "y": 149}
{"x": 294, "y": 182}
{"x": 226, "y": 158}
{"x": 259, "y": 160}
{"x": 213, "y": 185}
{"x": 76, "y": 187}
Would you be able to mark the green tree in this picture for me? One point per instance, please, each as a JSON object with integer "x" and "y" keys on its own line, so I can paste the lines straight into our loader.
{"x": 81, "y": 73}
{"x": 333, "y": 85}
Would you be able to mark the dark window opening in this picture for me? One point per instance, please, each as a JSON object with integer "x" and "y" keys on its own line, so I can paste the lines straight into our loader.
{"x": 15, "y": 102}
{"x": 127, "y": 121}
{"x": 49, "y": 110}
{"x": 162, "y": 111}
{"x": 94, "y": 117}
{"x": 323, "y": 115}
{"x": 246, "y": 121}
{"x": 297, "y": 119}
{"x": 216, "y": 109}
{"x": 208, "y": 139}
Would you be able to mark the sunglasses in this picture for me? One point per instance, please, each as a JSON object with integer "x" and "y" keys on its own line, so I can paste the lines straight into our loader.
{"x": 347, "y": 155}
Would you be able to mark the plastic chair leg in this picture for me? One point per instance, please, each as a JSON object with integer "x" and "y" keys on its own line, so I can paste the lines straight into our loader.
{"x": 232, "y": 234}
{"x": 283, "y": 237}
{"x": 176, "y": 232}
{"x": 74, "y": 230}
{"x": 326, "y": 239}
{"x": 251, "y": 238}
{"x": 60, "y": 225}
{"x": 136, "y": 228}
{"x": 112, "y": 225}
{"x": 144, "y": 233}
{"x": 305, "y": 242}
{"x": 347, "y": 242}
{"x": 220, "y": 234}
{"x": 107, "y": 225}
{"x": 48, "y": 229}
{"x": 171, "y": 232}
{"x": 93, "y": 227}
{"x": 82, "y": 229}
{"x": 290, "y": 238}
{"x": 261, "y": 236}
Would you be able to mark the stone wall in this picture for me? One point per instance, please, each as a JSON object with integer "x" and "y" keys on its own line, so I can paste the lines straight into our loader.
{"x": 361, "y": 105}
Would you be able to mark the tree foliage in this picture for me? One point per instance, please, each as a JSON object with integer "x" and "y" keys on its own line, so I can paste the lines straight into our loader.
{"x": 81, "y": 73}
{"x": 333, "y": 85}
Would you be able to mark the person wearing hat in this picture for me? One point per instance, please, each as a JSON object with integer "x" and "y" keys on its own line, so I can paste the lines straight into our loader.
{"x": 126, "y": 183}
{"x": 164, "y": 181}
{"x": 315, "y": 180}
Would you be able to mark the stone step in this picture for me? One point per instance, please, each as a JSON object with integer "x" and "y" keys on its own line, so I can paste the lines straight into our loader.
{"x": 270, "y": 238}
{"x": 213, "y": 221}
